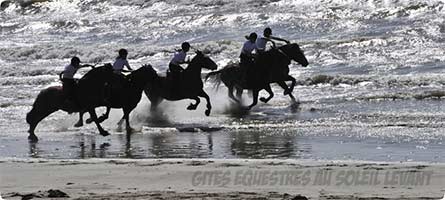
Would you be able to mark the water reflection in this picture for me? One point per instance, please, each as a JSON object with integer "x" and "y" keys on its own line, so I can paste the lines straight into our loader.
{"x": 219, "y": 144}
{"x": 258, "y": 145}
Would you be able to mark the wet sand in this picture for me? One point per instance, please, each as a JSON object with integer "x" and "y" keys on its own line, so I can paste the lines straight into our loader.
{"x": 220, "y": 179}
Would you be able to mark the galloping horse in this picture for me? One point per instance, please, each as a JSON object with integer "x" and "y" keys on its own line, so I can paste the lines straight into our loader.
{"x": 272, "y": 68}
{"x": 190, "y": 85}
{"x": 89, "y": 93}
{"x": 126, "y": 92}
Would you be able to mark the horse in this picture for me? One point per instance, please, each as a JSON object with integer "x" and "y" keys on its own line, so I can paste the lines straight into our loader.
{"x": 126, "y": 93}
{"x": 272, "y": 67}
{"x": 190, "y": 85}
{"x": 89, "y": 95}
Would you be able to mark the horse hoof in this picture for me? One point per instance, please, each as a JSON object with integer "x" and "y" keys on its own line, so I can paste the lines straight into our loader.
{"x": 264, "y": 100}
{"x": 104, "y": 133}
{"x": 207, "y": 112}
{"x": 33, "y": 138}
{"x": 88, "y": 121}
{"x": 130, "y": 130}
{"x": 119, "y": 129}
{"x": 78, "y": 124}
{"x": 191, "y": 107}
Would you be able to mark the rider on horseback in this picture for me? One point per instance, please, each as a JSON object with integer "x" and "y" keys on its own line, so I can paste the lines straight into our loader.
{"x": 175, "y": 63}
{"x": 261, "y": 42}
{"x": 179, "y": 58}
{"x": 68, "y": 80}
{"x": 258, "y": 74}
{"x": 247, "y": 56}
{"x": 121, "y": 61}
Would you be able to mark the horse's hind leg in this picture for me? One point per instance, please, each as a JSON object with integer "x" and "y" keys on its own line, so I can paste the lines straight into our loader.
{"x": 230, "y": 93}
{"x": 254, "y": 97}
{"x": 127, "y": 121}
{"x": 194, "y": 106}
{"x": 154, "y": 103}
{"x": 239, "y": 93}
{"x": 269, "y": 90}
{"x": 209, "y": 105}
{"x": 79, "y": 122}
{"x": 94, "y": 118}
{"x": 119, "y": 124}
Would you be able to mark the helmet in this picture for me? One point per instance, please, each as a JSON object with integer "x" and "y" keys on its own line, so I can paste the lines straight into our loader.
{"x": 185, "y": 45}
{"x": 267, "y": 31}
{"x": 123, "y": 52}
{"x": 75, "y": 60}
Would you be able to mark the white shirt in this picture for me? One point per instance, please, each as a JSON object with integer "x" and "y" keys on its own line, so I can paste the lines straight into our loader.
{"x": 69, "y": 72}
{"x": 261, "y": 43}
{"x": 178, "y": 58}
{"x": 248, "y": 47}
{"x": 119, "y": 64}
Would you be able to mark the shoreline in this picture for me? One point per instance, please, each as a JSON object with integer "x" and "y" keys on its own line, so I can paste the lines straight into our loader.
{"x": 221, "y": 179}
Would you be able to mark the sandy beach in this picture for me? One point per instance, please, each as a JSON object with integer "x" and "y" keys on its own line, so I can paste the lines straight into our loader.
{"x": 219, "y": 179}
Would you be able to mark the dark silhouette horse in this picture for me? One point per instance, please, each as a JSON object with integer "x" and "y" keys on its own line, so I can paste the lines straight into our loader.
{"x": 126, "y": 92}
{"x": 190, "y": 85}
{"x": 270, "y": 67}
{"x": 89, "y": 94}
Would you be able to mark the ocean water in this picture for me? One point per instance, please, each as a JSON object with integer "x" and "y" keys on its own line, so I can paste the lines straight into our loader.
{"x": 373, "y": 89}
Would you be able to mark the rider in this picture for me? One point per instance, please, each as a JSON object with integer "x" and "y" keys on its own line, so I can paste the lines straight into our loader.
{"x": 175, "y": 63}
{"x": 121, "y": 61}
{"x": 247, "y": 56}
{"x": 67, "y": 78}
{"x": 259, "y": 74}
{"x": 179, "y": 58}
{"x": 267, "y": 37}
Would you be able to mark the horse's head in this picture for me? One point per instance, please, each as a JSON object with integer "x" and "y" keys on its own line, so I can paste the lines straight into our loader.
{"x": 294, "y": 52}
{"x": 204, "y": 61}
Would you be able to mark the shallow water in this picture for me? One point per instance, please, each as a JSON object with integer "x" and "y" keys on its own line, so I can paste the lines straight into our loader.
{"x": 373, "y": 89}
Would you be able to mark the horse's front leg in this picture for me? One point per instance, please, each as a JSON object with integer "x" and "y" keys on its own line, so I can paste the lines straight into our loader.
{"x": 101, "y": 118}
{"x": 292, "y": 86}
{"x": 209, "y": 105}
{"x": 79, "y": 122}
{"x": 283, "y": 85}
{"x": 269, "y": 90}
{"x": 254, "y": 98}
{"x": 155, "y": 98}
{"x": 93, "y": 115}
{"x": 194, "y": 106}
{"x": 105, "y": 115}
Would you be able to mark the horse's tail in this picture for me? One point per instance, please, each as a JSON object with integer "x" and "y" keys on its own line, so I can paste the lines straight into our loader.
{"x": 216, "y": 78}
